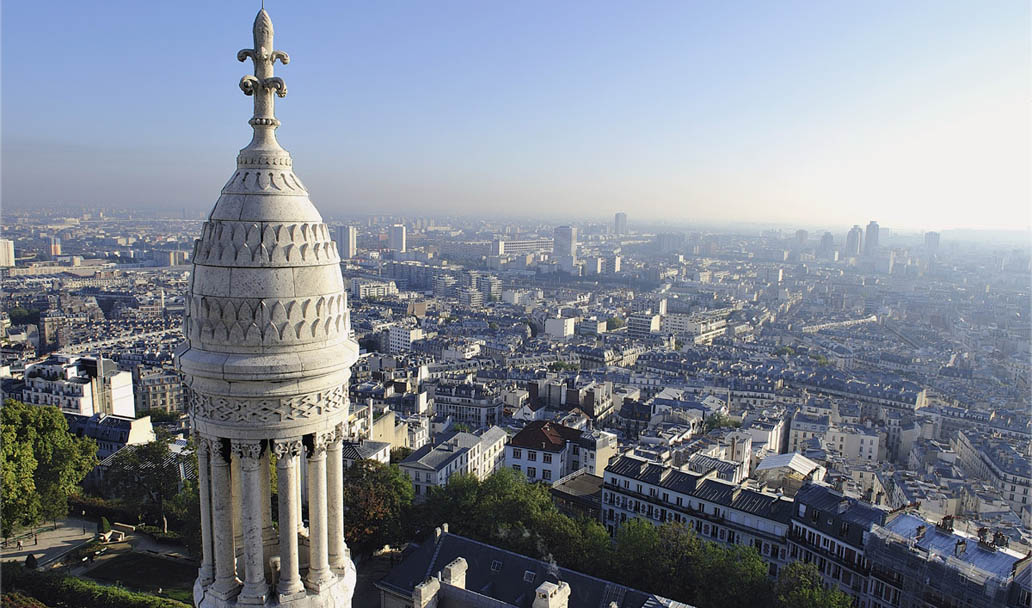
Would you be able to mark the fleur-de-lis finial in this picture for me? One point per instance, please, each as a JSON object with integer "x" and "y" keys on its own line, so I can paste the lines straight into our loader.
{"x": 262, "y": 85}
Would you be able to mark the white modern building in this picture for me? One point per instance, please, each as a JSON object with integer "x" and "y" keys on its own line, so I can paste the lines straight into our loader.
{"x": 401, "y": 337}
{"x": 560, "y": 328}
{"x": 396, "y": 238}
{"x": 347, "y": 242}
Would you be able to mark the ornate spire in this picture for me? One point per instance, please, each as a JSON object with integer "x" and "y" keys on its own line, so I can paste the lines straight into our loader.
{"x": 262, "y": 85}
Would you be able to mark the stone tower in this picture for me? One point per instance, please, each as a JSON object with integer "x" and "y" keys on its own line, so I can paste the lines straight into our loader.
{"x": 266, "y": 363}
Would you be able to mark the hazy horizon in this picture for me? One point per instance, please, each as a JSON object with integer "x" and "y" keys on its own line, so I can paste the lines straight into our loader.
{"x": 807, "y": 114}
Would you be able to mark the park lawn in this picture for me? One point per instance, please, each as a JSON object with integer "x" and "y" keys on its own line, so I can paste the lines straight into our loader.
{"x": 142, "y": 572}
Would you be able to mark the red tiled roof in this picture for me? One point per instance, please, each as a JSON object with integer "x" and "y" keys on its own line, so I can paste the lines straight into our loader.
{"x": 544, "y": 435}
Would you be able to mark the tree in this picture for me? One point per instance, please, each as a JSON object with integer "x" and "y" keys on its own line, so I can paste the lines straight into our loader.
{"x": 636, "y": 543}
{"x": 799, "y": 585}
{"x": 614, "y": 323}
{"x": 719, "y": 421}
{"x": 146, "y": 474}
{"x": 23, "y": 316}
{"x": 736, "y": 563}
{"x": 399, "y": 454}
{"x": 375, "y": 495}
{"x": 41, "y": 464}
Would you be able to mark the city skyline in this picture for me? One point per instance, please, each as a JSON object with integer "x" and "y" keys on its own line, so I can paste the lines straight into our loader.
{"x": 913, "y": 115}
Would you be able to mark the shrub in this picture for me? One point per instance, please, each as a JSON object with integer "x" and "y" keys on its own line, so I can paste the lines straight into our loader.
{"x": 105, "y": 525}
{"x": 30, "y": 561}
{"x": 17, "y": 600}
{"x": 59, "y": 591}
{"x": 160, "y": 535}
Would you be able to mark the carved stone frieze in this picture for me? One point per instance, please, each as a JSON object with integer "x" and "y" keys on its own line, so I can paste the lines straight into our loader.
{"x": 267, "y": 410}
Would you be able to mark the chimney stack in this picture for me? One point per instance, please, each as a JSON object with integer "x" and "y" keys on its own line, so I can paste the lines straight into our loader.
{"x": 424, "y": 595}
{"x": 455, "y": 573}
{"x": 552, "y": 595}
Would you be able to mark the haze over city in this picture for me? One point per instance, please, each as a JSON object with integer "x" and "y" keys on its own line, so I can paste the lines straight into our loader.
{"x": 814, "y": 114}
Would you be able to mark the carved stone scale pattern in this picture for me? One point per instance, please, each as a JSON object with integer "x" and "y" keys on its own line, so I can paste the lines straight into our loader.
{"x": 265, "y": 321}
{"x": 256, "y": 244}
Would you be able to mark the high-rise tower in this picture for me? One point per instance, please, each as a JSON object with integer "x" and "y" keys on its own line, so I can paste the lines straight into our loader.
{"x": 396, "y": 238}
{"x": 871, "y": 239}
{"x": 620, "y": 223}
{"x": 347, "y": 241}
{"x": 266, "y": 363}
{"x": 854, "y": 240}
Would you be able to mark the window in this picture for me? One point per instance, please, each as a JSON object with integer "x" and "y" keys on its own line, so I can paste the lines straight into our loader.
{"x": 546, "y": 474}
{"x": 546, "y": 458}
{"x": 532, "y": 455}
{"x": 516, "y": 467}
{"x": 496, "y": 566}
{"x": 517, "y": 453}
{"x": 529, "y": 576}
{"x": 531, "y": 472}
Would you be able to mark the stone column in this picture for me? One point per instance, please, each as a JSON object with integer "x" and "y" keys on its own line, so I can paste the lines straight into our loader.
{"x": 226, "y": 584}
{"x": 335, "y": 499}
{"x": 206, "y": 573}
{"x": 287, "y": 453}
{"x": 268, "y": 531}
{"x": 318, "y": 558}
{"x": 255, "y": 588}
{"x": 238, "y": 533}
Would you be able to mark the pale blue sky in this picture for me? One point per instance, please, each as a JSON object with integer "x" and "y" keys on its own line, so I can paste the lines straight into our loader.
{"x": 911, "y": 113}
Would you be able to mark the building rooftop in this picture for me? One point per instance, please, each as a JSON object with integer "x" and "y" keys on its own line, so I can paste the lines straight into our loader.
{"x": 509, "y": 577}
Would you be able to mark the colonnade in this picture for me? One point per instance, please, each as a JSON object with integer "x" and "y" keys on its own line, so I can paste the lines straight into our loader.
{"x": 236, "y": 516}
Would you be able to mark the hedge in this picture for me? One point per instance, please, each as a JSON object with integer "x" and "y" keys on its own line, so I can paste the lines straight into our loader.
{"x": 17, "y": 600}
{"x": 60, "y": 591}
{"x": 171, "y": 537}
{"x": 96, "y": 508}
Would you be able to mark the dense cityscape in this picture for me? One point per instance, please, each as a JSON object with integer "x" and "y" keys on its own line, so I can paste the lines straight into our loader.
{"x": 268, "y": 405}
{"x": 736, "y": 383}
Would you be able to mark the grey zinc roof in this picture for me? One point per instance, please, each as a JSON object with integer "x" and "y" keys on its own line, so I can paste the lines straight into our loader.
{"x": 509, "y": 577}
{"x": 998, "y": 563}
{"x": 433, "y": 458}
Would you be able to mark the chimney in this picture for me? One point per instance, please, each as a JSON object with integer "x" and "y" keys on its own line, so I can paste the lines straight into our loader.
{"x": 552, "y": 595}
{"x": 437, "y": 533}
{"x": 960, "y": 548}
{"x": 424, "y": 595}
{"x": 455, "y": 573}
{"x": 444, "y": 527}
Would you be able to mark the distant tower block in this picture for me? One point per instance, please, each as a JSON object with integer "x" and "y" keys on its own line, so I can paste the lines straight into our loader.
{"x": 266, "y": 363}
{"x": 620, "y": 223}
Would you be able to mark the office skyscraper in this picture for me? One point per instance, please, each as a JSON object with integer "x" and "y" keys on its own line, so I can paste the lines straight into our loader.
{"x": 932, "y": 241}
{"x": 6, "y": 253}
{"x": 827, "y": 244}
{"x": 854, "y": 239}
{"x": 871, "y": 238}
{"x": 397, "y": 238}
{"x": 620, "y": 222}
{"x": 565, "y": 243}
{"x": 347, "y": 241}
